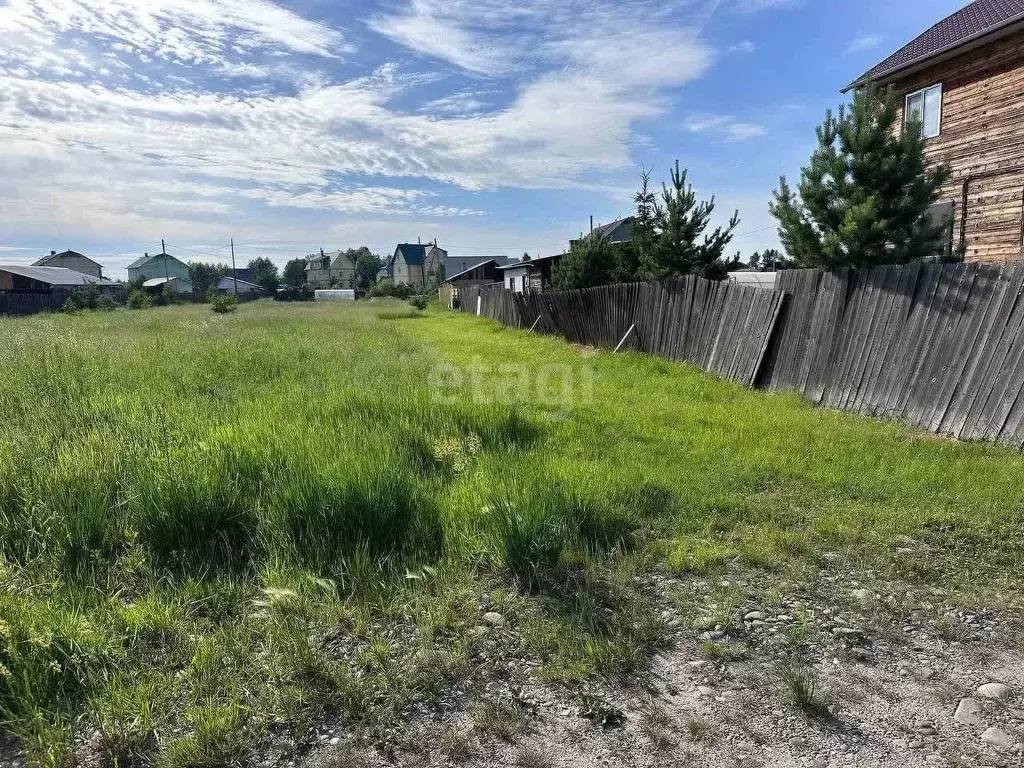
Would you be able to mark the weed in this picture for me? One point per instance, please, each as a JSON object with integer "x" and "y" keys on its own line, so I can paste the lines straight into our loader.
{"x": 723, "y": 653}
{"x": 531, "y": 757}
{"x": 701, "y": 730}
{"x": 801, "y": 687}
{"x": 600, "y": 711}
{"x": 457, "y": 744}
{"x": 503, "y": 719}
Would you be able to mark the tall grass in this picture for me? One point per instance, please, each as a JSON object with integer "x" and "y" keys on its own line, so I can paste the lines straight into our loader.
{"x": 213, "y": 527}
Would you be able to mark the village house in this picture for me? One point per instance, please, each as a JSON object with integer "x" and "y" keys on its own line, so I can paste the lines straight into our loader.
{"x": 332, "y": 267}
{"x": 618, "y": 231}
{"x": 21, "y": 279}
{"x": 417, "y": 264}
{"x": 162, "y": 268}
{"x": 963, "y": 81}
{"x": 236, "y": 285}
{"x": 477, "y": 275}
{"x": 532, "y": 275}
{"x": 71, "y": 260}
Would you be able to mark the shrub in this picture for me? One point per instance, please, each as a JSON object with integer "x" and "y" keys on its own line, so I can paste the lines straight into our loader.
{"x": 296, "y": 293}
{"x": 419, "y": 302}
{"x": 388, "y": 287}
{"x": 222, "y": 303}
{"x": 139, "y": 299}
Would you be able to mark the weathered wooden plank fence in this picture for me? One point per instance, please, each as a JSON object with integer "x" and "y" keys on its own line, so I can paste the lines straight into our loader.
{"x": 940, "y": 347}
{"x": 936, "y": 346}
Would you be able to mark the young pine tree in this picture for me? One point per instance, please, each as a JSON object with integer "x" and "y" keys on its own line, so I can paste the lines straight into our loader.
{"x": 678, "y": 249}
{"x": 864, "y": 196}
{"x": 590, "y": 262}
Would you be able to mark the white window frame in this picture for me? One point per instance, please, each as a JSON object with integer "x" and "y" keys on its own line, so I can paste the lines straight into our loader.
{"x": 922, "y": 93}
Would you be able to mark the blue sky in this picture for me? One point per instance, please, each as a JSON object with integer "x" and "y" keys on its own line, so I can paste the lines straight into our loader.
{"x": 495, "y": 127}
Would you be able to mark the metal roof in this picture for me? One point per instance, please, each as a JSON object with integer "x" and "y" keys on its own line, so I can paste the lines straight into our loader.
{"x": 465, "y": 271}
{"x": 144, "y": 260}
{"x": 154, "y": 282}
{"x": 534, "y": 260}
{"x": 228, "y": 282}
{"x": 413, "y": 253}
{"x": 51, "y": 275}
{"x": 970, "y": 23}
{"x": 51, "y": 256}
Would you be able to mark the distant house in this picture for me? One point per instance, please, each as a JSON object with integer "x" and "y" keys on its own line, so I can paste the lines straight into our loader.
{"x": 162, "y": 266}
{"x": 334, "y": 266}
{"x": 229, "y": 284}
{"x": 532, "y": 275}
{"x": 482, "y": 273}
{"x": 417, "y": 264}
{"x": 618, "y": 231}
{"x": 71, "y": 260}
{"x": 453, "y": 265}
{"x": 15, "y": 278}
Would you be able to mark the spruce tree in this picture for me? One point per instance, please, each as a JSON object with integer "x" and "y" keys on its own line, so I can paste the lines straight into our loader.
{"x": 863, "y": 198}
{"x": 681, "y": 224}
{"x": 589, "y": 262}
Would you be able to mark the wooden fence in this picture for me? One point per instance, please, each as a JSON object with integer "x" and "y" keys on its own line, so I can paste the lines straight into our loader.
{"x": 721, "y": 327}
{"x": 940, "y": 347}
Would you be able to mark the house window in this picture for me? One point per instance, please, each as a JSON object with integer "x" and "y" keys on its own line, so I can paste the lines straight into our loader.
{"x": 925, "y": 106}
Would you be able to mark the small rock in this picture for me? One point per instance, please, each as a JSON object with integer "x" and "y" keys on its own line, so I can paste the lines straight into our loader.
{"x": 754, "y": 616}
{"x": 704, "y": 692}
{"x": 494, "y": 618}
{"x": 861, "y": 594}
{"x": 969, "y": 712}
{"x": 995, "y": 691}
{"x": 927, "y": 730}
{"x": 997, "y": 738}
{"x": 916, "y": 745}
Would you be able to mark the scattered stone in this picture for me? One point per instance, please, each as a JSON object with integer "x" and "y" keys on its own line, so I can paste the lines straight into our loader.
{"x": 916, "y": 744}
{"x": 969, "y": 712}
{"x": 754, "y": 616}
{"x": 997, "y": 738}
{"x": 861, "y": 594}
{"x": 995, "y": 691}
{"x": 494, "y": 618}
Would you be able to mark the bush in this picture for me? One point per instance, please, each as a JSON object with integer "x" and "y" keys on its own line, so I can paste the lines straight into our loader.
{"x": 420, "y": 302}
{"x": 222, "y": 303}
{"x": 297, "y": 293}
{"x": 88, "y": 297}
{"x": 389, "y": 288}
{"x": 139, "y": 299}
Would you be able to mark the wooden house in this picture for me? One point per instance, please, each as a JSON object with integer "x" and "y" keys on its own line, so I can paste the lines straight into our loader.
{"x": 417, "y": 264}
{"x": 161, "y": 266}
{"x": 532, "y": 275}
{"x": 963, "y": 79}
{"x": 71, "y": 260}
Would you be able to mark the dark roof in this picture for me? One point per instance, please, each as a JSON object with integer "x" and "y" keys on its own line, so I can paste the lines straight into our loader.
{"x": 616, "y": 231}
{"x": 69, "y": 253}
{"x": 229, "y": 282}
{"x": 534, "y": 260}
{"x": 969, "y": 23}
{"x": 453, "y": 265}
{"x": 51, "y": 275}
{"x": 470, "y": 269}
{"x": 413, "y": 253}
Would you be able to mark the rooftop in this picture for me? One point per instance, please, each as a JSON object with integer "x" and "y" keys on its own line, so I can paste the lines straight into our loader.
{"x": 970, "y": 23}
{"x": 51, "y": 275}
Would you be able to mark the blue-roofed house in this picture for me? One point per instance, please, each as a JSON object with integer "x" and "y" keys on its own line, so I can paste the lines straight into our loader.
{"x": 417, "y": 264}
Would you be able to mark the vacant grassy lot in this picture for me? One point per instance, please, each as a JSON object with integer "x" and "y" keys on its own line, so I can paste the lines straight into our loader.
{"x": 215, "y": 529}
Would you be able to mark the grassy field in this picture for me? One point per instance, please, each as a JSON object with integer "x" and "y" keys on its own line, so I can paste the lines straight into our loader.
{"x": 215, "y": 529}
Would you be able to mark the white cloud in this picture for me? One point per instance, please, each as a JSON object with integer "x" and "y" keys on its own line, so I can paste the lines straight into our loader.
{"x": 754, "y": 6}
{"x": 863, "y": 43}
{"x": 726, "y": 127}
{"x": 128, "y": 135}
{"x": 744, "y": 46}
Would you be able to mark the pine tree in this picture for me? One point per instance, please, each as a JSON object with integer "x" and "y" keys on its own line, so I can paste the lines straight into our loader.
{"x": 863, "y": 198}
{"x": 590, "y": 262}
{"x": 680, "y": 225}
{"x": 642, "y": 230}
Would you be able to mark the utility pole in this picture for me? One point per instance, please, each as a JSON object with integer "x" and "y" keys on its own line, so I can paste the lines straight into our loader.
{"x": 591, "y": 223}
{"x": 234, "y": 270}
{"x": 163, "y": 251}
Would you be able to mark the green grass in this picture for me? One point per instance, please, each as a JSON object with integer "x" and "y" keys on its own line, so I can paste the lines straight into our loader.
{"x": 211, "y": 525}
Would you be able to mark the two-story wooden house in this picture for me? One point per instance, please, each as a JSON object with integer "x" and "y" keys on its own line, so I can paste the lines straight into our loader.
{"x": 71, "y": 260}
{"x": 964, "y": 81}
{"x": 417, "y": 264}
{"x": 335, "y": 268}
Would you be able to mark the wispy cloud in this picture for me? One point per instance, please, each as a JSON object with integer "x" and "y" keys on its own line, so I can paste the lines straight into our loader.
{"x": 744, "y": 46}
{"x": 754, "y": 6}
{"x": 863, "y": 43}
{"x": 725, "y": 127}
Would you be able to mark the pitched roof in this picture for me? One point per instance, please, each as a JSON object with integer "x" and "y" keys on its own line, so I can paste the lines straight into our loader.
{"x": 228, "y": 283}
{"x": 413, "y": 253}
{"x": 971, "y": 22}
{"x": 607, "y": 230}
{"x": 144, "y": 260}
{"x": 534, "y": 260}
{"x": 69, "y": 253}
{"x": 51, "y": 275}
{"x": 466, "y": 271}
